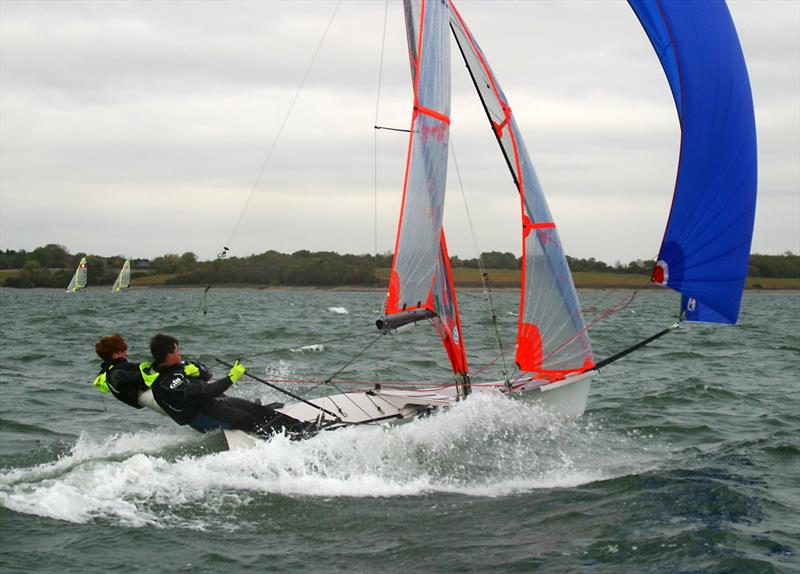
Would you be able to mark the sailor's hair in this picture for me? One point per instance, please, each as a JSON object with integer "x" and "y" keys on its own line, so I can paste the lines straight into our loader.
{"x": 162, "y": 345}
{"x": 107, "y": 347}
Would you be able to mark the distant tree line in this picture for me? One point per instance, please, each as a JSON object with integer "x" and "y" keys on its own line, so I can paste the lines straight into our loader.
{"x": 52, "y": 266}
{"x": 323, "y": 268}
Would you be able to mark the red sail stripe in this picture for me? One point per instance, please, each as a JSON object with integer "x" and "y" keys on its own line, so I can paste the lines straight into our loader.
{"x": 432, "y": 113}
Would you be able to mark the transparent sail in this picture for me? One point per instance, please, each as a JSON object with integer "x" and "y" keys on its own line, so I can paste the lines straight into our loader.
{"x": 421, "y": 283}
{"x": 551, "y": 334}
{"x": 124, "y": 277}
{"x": 78, "y": 280}
{"x": 420, "y": 227}
{"x": 447, "y": 320}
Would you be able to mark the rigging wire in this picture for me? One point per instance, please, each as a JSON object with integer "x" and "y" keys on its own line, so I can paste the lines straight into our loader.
{"x": 284, "y": 349}
{"x": 375, "y": 143}
{"x": 284, "y": 122}
{"x": 203, "y": 305}
{"x": 329, "y": 380}
{"x": 481, "y": 269}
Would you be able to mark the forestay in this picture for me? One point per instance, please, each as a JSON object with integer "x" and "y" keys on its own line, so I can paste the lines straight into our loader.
{"x": 706, "y": 247}
{"x": 551, "y": 335}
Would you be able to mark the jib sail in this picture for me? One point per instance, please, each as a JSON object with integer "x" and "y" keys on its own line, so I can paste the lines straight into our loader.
{"x": 551, "y": 334}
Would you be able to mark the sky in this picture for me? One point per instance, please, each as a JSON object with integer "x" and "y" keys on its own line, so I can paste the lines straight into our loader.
{"x": 141, "y": 128}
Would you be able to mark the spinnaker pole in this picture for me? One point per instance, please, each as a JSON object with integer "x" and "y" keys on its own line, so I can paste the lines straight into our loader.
{"x": 635, "y": 347}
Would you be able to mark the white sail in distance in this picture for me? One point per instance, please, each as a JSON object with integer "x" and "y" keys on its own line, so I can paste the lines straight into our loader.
{"x": 78, "y": 280}
{"x": 124, "y": 277}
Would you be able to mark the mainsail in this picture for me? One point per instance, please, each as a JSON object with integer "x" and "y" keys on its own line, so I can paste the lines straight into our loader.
{"x": 706, "y": 247}
{"x": 551, "y": 335}
{"x": 421, "y": 284}
{"x": 78, "y": 280}
{"x": 124, "y": 277}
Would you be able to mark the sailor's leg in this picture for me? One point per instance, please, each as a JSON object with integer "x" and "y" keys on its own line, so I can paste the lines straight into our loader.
{"x": 263, "y": 419}
{"x": 274, "y": 419}
{"x": 225, "y": 414}
{"x": 204, "y": 422}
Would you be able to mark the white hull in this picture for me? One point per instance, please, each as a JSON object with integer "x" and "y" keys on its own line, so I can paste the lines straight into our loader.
{"x": 566, "y": 398}
{"x": 389, "y": 406}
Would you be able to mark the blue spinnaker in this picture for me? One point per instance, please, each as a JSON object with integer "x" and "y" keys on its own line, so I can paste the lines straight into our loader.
{"x": 705, "y": 252}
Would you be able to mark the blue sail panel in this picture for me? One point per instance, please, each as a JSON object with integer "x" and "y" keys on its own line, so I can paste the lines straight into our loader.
{"x": 699, "y": 313}
{"x": 706, "y": 248}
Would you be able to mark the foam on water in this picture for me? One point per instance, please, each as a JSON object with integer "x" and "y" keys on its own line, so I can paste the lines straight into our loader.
{"x": 338, "y": 310}
{"x": 309, "y": 348}
{"x": 89, "y": 482}
{"x": 487, "y": 446}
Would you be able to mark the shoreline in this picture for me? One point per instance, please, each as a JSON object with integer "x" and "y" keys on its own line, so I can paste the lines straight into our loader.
{"x": 466, "y": 288}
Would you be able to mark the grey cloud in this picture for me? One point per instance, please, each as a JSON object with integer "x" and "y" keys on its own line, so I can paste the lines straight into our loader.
{"x": 143, "y": 107}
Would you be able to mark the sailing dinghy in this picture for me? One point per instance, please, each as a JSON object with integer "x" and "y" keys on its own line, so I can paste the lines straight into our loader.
{"x": 705, "y": 250}
{"x": 78, "y": 280}
{"x": 123, "y": 280}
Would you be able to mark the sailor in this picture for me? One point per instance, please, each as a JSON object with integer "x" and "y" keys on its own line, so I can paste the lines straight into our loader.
{"x": 126, "y": 380}
{"x": 204, "y": 406}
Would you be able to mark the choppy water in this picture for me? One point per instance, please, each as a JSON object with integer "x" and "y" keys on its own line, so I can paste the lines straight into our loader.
{"x": 687, "y": 460}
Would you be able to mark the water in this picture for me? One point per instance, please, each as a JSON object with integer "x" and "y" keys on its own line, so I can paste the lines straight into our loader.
{"x": 687, "y": 459}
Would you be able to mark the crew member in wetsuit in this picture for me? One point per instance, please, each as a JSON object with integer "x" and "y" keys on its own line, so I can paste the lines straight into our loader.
{"x": 125, "y": 380}
{"x": 203, "y": 406}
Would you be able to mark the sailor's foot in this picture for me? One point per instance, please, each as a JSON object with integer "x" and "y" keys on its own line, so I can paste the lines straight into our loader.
{"x": 302, "y": 430}
{"x": 274, "y": 406}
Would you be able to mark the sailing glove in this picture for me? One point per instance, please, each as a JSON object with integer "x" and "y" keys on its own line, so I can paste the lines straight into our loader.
{"x": 236, "y": 372}
{"x": 191, "y": 370}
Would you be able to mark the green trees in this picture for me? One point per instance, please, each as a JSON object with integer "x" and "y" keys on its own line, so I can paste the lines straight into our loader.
{"x": 786, "y": 265}
{"x": 52, "y": 256}
{"x": 52, "y": 265}
{"x": 172, "y": 263}
{"x": 323, "y": 268}
{"x": 32, "y": 274}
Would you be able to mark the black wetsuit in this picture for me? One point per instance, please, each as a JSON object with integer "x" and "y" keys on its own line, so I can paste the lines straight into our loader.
{"x": 204, "y": 407}
{"x": 125, "y": 381}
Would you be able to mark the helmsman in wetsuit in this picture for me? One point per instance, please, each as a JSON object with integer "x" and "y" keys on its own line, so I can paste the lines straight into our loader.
{"x": 127, "y": 381}
{"x": 204, "y": 406}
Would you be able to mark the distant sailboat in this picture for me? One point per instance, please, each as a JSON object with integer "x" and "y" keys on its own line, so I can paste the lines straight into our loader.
{"x": 124, "y": 277}
{"x": 79, "y": 279}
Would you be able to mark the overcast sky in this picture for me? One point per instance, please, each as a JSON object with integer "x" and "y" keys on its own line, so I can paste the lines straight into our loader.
{"x": 140, "y": 128}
